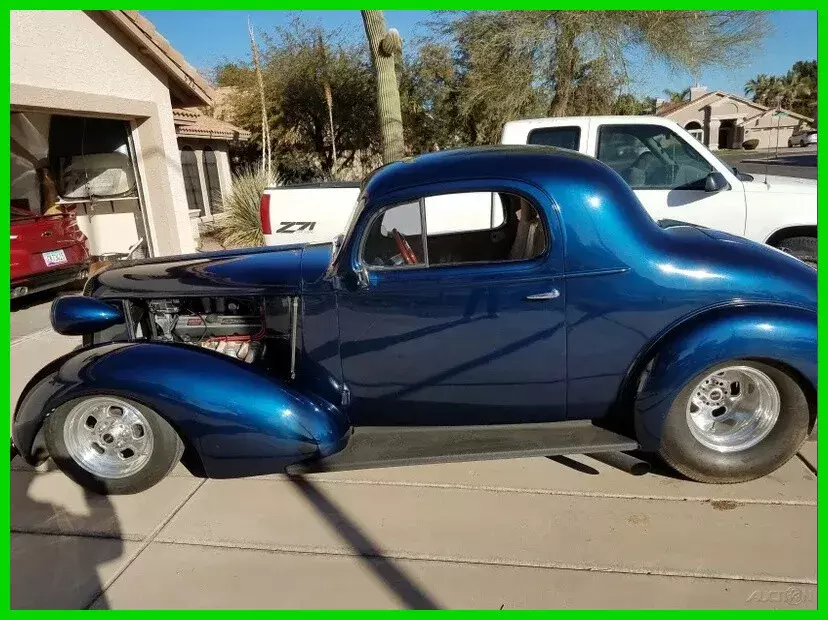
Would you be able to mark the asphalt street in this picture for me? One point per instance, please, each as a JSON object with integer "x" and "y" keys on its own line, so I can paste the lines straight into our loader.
{"x": 795, "y": 162}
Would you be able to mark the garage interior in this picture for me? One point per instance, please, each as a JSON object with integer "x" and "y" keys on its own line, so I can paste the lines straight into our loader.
{"x": 86, "y": 166}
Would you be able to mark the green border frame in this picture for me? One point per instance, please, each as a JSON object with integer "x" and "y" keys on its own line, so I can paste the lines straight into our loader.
{"x": 822, "y": 33}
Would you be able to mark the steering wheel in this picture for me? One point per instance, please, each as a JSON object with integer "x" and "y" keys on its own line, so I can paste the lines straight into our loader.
{"x": 405, "y": 249}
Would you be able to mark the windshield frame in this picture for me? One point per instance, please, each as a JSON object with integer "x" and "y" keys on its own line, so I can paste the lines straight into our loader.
{"x": 340, "y": 241}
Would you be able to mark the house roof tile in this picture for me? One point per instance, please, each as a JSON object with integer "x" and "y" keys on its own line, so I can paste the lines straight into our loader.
{"x": 192, "y": 123}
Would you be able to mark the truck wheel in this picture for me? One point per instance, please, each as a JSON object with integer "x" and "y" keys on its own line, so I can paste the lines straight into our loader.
{"x": 111, "y": 445}
{"x": 735, "y": 422}
{"x": 803, "y": 248}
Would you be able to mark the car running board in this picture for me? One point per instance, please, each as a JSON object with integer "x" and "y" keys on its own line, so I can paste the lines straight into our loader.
{"x": 395, "y": 446}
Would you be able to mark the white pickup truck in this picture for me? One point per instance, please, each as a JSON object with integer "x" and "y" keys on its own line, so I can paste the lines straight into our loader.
{"x": 674, "y": 176}
{"x": 677, "y": 178}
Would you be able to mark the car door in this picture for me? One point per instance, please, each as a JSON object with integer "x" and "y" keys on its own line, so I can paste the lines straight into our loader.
{"x": 469, "y": 328}
{"x": 668, "y": 176}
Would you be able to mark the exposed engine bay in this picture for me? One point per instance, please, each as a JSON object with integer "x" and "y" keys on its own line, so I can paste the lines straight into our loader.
{"x": 228, "y": 325}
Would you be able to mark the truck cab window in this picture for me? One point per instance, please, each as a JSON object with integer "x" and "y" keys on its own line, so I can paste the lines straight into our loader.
{"x": 652, "y": 157}
{"x": 562, "y": 137}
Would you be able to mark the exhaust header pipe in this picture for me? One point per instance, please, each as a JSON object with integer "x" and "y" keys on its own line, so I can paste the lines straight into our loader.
{"x": 623, "y": 461}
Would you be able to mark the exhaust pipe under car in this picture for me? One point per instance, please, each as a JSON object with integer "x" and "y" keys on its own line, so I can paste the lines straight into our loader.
{"x": 623, "y": 461}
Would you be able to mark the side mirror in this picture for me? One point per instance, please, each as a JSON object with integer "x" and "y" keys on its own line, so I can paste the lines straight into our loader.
{"x": 715, "y": 182}
{"x": 362, "y": 277}
{"x": 77, "y": 315}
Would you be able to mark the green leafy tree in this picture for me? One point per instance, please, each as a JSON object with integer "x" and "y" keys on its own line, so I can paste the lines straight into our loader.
{"x": 429, "y": 99}
{"x": 629, "y": 105}
{"x": 319, "y": 94}
{"x": 526, "y": 63}
{"x": 796, "y": 90}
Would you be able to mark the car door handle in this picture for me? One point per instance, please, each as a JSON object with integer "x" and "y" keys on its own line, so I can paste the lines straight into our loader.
{"x": 553, "y": 294}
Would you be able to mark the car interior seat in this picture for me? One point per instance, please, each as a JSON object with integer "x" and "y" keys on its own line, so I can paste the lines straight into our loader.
{"x": 529, "y": 238}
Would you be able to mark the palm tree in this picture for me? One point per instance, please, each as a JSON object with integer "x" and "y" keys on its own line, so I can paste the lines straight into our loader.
{"x": 768, "y": 90}
{"x": 675, "y": 96}
{"x": 796, "y": 90}
{"x": 756, "y": 86}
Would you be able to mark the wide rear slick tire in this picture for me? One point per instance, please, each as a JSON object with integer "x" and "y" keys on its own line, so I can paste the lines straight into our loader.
{"x": 92, "y": 457}
{"x": 689, "y": 456}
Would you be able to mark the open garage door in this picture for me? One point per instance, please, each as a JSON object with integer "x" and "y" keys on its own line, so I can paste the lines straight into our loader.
{"x": 84, "y": 166}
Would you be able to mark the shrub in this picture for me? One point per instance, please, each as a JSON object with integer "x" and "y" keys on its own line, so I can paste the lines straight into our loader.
{"x": 240, "y": 225}
{"x": 751, "y": 144}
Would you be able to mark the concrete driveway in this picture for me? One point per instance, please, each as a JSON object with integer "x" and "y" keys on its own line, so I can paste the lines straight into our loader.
{"x": 536, "y": 533}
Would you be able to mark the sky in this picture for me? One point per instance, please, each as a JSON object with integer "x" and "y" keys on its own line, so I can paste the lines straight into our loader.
{"x": 207, "y": 38}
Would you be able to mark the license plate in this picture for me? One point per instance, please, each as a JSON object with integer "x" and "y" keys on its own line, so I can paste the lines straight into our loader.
{"x": 55, "y": 257}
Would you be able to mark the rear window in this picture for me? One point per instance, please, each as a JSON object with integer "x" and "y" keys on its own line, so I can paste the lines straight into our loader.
{"x": 561, "y": 137}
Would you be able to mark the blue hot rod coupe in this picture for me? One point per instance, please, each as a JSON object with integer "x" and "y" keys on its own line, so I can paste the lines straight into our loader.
{"x": 564, "y": 320}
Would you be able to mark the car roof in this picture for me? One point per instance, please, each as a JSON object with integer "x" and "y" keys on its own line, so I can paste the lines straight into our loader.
{"x": 527, "y": 163}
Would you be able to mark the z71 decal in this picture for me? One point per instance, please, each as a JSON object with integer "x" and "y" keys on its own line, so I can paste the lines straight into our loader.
{"x": 292, "y": 227}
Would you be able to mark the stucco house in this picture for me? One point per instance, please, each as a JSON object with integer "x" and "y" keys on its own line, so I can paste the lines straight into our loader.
{"x": 724, "y": 121}
{"x": 106, "y": 120}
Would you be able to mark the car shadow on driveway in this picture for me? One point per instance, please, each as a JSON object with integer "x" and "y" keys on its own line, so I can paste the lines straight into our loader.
{"x": 44, "y": 297}
{"x": 402, "y": 586}
{"x": 56, "y": 553}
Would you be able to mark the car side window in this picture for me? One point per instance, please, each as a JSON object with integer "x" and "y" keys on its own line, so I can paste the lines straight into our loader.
{"x": 515, "y": 230}
{"x": 460, "y": 228}
{"x": 562, "y": 137}
{"x": 652, "y": 157}
{"x": 395, "y": 238}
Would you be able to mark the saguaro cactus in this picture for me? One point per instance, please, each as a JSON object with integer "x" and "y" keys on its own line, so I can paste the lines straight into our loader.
{"x": 385, "y": 44}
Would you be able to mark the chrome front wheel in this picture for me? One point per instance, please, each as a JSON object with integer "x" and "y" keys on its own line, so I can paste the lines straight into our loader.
{"x": 108, "y": 437}
{"x": 733, "y": 408}
{"x": 111, "y": 444}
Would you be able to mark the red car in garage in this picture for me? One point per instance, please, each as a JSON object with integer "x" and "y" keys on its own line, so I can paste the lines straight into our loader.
{"x": 47, "y": 251}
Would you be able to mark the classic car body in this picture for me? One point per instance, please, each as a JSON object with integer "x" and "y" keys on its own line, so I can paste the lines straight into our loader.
{"x": 306, "y": 357}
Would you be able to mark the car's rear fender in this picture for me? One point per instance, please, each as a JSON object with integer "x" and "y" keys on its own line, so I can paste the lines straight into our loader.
{"x": 780, "y": 335}
{"x": 237, "y": 419}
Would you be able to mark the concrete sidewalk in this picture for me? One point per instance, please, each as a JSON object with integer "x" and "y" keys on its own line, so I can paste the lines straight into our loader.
{"x": 531, "y": 533}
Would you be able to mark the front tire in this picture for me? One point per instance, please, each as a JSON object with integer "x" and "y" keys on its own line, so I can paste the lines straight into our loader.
{"x": 735, "y": 422}
{"x": 111, "y": 445}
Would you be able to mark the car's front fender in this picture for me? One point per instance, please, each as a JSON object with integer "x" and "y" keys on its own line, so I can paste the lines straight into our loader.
{"x": 239, "y": 420}
{"x": 775, "y": 334}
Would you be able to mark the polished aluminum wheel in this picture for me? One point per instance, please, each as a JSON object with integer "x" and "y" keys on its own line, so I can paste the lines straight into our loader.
{"x": 733, "y": 408}
{"x": 108, "y": 437}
